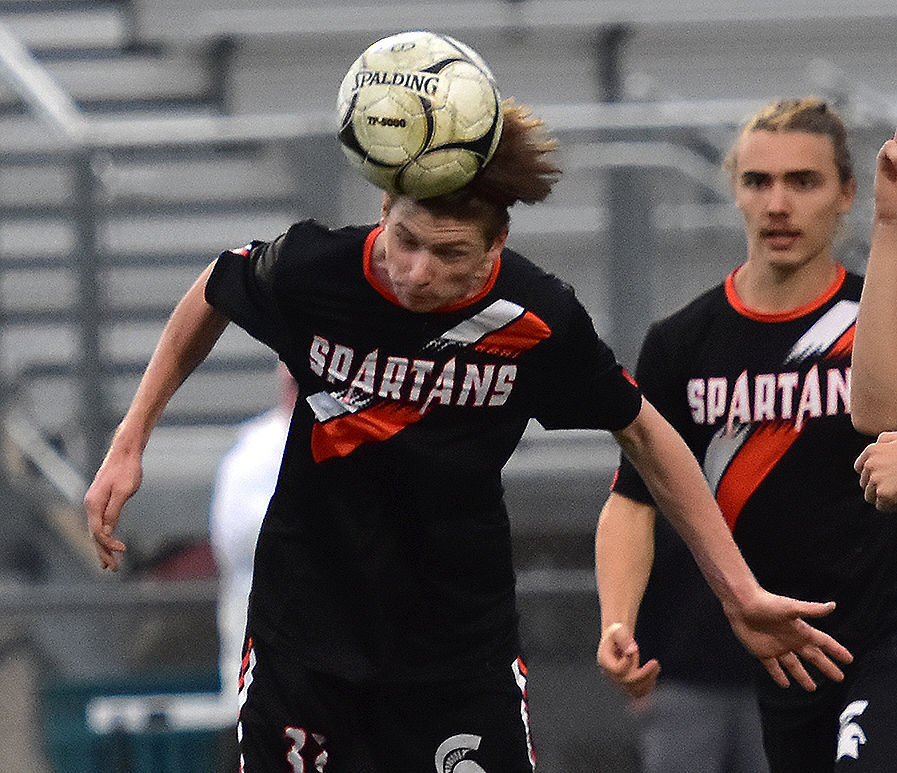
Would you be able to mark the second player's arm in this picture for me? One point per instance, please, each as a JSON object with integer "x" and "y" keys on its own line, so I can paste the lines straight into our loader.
{"x": 624, "y": 554}
{"x": 188, "y": 337}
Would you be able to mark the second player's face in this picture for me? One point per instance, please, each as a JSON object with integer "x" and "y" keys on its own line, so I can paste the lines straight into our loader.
{"x": 789, "y": 193}
{"x": 431, "y": 262}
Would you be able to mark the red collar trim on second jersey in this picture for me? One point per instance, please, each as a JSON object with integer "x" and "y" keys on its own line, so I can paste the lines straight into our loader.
{"x": 785, "y": 316}
{"x": 380, "y": 288}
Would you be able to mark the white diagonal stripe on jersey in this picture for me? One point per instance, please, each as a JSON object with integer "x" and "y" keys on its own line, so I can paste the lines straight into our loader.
{"x": 492, "y": 318}
{"x": 721, "y": 451}
{"x": 326, "y": 406}
{"x": 825, "y": 331}
{"x": 818, "y": 339}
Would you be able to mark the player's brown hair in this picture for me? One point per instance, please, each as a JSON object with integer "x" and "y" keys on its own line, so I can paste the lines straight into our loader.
{"x": 521, "y": 169}
{"x": 806, "y": 114}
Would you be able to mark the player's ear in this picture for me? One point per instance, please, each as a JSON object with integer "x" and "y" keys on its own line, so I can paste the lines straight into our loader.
{"x": 848, "y": 194}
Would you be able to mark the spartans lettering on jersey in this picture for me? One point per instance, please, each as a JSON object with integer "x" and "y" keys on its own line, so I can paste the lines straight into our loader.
{"x": 412, "y": 380}
{"x": 765, "y": 397}
{"x": 377, "y": 395}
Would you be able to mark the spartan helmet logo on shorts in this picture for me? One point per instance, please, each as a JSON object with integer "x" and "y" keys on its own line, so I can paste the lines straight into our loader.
{"x": 851, "y": 736}
{"x": 451, "y": 756}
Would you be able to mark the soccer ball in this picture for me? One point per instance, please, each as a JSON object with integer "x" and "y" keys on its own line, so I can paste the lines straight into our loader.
{"x": 419, "y": 114}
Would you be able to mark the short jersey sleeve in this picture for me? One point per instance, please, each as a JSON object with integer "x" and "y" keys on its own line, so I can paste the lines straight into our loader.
{"x": 241, "y": 287}
{"x": 650, "y": 373}
{"x": 585, "y": 386}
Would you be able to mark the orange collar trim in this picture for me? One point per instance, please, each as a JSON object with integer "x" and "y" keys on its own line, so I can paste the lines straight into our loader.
{"x": 784, "y": 316}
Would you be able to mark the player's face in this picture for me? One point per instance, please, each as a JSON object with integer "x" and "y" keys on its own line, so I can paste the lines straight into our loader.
{"x": 430, "y": 262}
{"x": 789, "y": 193}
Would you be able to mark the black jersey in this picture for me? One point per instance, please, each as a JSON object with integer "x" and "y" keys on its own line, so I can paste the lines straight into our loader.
{"x": 386, "y": 548}
{"x": 763, "y": 401}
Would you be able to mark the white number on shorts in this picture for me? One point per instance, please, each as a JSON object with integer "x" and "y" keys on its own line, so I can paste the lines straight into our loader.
{"x": 304, "y": 744}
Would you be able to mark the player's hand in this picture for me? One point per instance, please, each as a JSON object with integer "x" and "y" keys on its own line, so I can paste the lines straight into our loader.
{"x": 773, "y": 629}
{"x": 618, "y": 656}
{"x": 116, "y": 481}
{"x": 885, "y": 188}
{"x": 877, "y": 466}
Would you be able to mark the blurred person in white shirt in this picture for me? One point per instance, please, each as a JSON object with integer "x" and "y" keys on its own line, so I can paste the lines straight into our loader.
{"x": 244, "y": 484}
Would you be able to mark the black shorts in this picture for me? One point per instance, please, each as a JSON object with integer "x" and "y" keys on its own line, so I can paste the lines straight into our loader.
{"x": 849, "y": 727}
{"x": 293, "y": 719}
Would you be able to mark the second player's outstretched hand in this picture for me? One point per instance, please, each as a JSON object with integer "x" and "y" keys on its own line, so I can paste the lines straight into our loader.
{"x": 773, "y": 629}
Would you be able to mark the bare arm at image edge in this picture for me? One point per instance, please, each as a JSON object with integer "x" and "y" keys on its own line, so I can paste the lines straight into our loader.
{"x": 874, "y": 368}
{"x": 624, "y": 554}
{"x": 188, "y": 337}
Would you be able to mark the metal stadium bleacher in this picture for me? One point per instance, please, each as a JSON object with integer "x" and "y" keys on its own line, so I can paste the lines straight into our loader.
{"x": 140, "y": 138}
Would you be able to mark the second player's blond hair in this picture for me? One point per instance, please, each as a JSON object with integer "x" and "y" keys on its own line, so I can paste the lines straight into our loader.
{"x": 806, "y": 114}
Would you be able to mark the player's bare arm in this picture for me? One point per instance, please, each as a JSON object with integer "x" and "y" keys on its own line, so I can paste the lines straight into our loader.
{"x": 874, "y": 367}
{"x": 189, "y": 336}
{"x": 624, "y": 553}
{"x": 770, "y": 626}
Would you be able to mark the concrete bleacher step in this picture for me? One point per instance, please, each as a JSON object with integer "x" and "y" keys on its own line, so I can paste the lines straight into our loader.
{"x": 123, "y": 82}
{"x": 52, "y": 28}
{"x": 126, "y": 81}
{"x": 89, "y": 48}
{"x": 148, "y": 179}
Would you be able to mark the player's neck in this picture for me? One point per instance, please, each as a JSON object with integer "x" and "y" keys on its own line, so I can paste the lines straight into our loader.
{"x": 773, "y": 289}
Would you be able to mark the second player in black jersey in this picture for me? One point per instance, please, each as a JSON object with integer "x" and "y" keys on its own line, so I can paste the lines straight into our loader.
{"x": 755, "y": 375}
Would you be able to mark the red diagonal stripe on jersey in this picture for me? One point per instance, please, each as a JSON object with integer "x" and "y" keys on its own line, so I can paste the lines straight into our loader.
{"x": 522, "y": 334}
{"x": 755, "y": 459}
{"x": 341, "y": 436}
{"x": 842, "y": 348}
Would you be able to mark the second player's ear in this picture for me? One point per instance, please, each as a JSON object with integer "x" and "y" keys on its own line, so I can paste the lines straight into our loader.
{"x": 849, "y": 194}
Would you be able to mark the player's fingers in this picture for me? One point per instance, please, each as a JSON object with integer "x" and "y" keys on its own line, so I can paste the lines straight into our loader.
{"x": 829, "y": 646}
{"x": 611, "y": 663}
{"x": 775, "y": 671}
{"x": 865, "y": 473}
{"x": 823, "y": 662}
{"x": 811, "y": 609}
{"x": 870, "y": 493}
{"x": 860, "y": 462}
{"x": 814, "y": 609}
{"x": 102, "y": 515}
{"x": 793, "y": 665}
{"x": 622, "y": 640}
{"x": 108, "y": 559}
{"x": 886, "y": 503}
{"x": 646, "y": 678}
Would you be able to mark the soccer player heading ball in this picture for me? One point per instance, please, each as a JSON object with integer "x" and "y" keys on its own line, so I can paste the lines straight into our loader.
{"x": 382, "y": 631}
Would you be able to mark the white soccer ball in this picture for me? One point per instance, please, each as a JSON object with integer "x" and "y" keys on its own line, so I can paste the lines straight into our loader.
{"x": 419, "y": 114}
